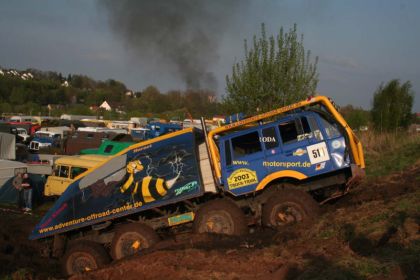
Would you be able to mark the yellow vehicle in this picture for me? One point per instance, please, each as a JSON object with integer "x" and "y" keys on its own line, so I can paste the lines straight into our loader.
{"x": 66, "y": 169}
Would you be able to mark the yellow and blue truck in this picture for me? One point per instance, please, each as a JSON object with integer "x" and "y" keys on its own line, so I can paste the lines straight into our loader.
{"x": 271, "y": 169}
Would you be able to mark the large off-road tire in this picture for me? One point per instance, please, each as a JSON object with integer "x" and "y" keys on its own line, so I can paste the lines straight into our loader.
{"x": 289, "y": 206}
{"x": 131, "y": 238}
{"x": 221, "y": 217}
{"x": 82, "y": 256}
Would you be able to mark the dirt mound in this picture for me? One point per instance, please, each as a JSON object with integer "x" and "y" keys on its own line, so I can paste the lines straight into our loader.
{"x": 20, "y": 256}
{"x": 385, "y": 188}
{"x": 192, "y": 264}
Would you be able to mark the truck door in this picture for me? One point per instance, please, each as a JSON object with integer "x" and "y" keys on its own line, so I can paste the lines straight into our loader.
{"x": 289, "y": 151}
{"x": 335, "y": 142}
{"x": 242, "y": 162}
{"x": 59, "y": 181}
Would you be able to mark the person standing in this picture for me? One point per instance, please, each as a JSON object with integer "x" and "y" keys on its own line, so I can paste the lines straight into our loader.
{"x": 27, "y": 192}
{"x": 17, "y": 184}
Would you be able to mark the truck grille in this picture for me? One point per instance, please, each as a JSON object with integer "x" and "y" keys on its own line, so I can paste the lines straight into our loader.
{"x": 34, "y": 146}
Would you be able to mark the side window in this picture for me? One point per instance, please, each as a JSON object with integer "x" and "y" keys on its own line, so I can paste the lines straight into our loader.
{"x": 76, "y": 171}
{"x": 305, "y": 125}
{"x": 304, "y": 129}
{"x": 108, "y": 149}
{"x": 330, "y": 128}
{"x": 270, "y": 138}
{"x": 288, "y": 132}
{"x": 315, "y": 128}
{"x": 63, "y": 171}
{"x": 228, "y": 154}
{"x": 246, "y": 144}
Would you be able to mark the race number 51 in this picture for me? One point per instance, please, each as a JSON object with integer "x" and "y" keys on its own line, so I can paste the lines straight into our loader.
{"x": 318, "y": 153}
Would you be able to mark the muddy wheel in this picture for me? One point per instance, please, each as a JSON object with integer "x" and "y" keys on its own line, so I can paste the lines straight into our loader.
{"x": 220, "y": 216}
{"x": 84, "y": 256}
{"x": 289, "y": 206}
{"x": 131, "y": 238}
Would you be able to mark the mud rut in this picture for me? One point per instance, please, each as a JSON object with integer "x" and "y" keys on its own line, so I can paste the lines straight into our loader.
{"x": 263, "y": 254}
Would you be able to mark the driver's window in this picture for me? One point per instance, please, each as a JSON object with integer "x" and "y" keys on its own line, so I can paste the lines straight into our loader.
{"x": 64, "y": 171}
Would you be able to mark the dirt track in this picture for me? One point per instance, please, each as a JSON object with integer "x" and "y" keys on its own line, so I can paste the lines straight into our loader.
{"x": 373, "y": 230}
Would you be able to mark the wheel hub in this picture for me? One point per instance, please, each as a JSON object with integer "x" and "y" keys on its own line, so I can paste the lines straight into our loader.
{"x": 131, "y": 243}
{"x": 83, "y": 262}
{"x": 218, "y": 222}
{"x": 287, "y": 214}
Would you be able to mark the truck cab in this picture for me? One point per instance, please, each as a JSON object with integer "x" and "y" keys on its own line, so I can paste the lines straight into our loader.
{"x": 23, "y": 133}
{"x": 66, "y": 169}
{"x": 44, "y": 139}
{"x": 156, "y": 129}
{"x": 300, "y": 145}
{"x": 108, "y": 147}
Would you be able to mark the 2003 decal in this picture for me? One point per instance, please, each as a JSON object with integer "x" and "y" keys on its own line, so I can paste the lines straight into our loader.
{"x": 241, "y": 178}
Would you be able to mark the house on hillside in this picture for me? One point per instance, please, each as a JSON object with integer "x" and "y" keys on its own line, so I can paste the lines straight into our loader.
{"x": 105, "y": 106}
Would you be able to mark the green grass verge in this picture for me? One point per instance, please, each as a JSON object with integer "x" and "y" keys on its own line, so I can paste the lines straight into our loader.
{"x": 393, "y": 159}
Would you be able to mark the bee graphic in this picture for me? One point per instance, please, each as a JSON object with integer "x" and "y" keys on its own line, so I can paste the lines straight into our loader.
{"x": 148, "y": 189}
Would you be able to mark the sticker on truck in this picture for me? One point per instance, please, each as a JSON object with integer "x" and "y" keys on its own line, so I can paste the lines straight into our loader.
{"x": 241, "y": 178}
{"x": 318, "y": 153}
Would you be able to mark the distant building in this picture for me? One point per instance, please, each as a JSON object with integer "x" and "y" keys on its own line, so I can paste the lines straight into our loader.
{"x": 105, "y": 106}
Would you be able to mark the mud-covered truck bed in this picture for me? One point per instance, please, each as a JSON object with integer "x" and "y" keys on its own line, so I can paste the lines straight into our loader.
{"x": 146, "y": 175}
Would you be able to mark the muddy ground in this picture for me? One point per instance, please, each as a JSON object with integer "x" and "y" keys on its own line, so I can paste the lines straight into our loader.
{"x": 372, "y": 233}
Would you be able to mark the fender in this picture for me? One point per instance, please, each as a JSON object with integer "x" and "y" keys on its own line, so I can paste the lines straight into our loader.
{"x": 280, "y": 174}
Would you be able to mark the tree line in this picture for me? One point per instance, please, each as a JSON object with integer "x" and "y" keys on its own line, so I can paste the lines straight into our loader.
{"x": 275, "y": 71}
{"x": 32, "y": 96}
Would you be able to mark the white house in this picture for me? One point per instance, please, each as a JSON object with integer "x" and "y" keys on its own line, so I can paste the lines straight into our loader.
{"x": 106, "y": 106}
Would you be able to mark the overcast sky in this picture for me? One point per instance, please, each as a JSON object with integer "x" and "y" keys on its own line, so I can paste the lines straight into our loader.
{"x": 359, "y": 43}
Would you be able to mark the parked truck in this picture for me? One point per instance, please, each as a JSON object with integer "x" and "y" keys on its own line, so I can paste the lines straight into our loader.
{"x": 49, "y": 139}
{"x": 153, "y": 129}
{"x": 271, "y": 169}
{"x": 66, "y": 169}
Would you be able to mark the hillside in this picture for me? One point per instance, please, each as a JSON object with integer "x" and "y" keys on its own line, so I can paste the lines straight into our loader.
{"x": 30, "y": 91}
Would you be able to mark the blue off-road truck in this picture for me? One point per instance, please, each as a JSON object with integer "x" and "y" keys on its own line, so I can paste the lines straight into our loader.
{"x": 271, "y": 169}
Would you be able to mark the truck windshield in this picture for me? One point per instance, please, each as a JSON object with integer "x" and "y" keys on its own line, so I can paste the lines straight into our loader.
{"x": 43, "y": 135}
{"x": 76, "y": 171}
{"x": 331, "y": 129}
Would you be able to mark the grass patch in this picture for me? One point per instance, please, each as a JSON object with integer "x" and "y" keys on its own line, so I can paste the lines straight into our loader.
{"x": 378, "y": 218}
{"x": 388, "y": 153}
{"x": 327, "y": 234}
{"x": 367, "y": 267}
